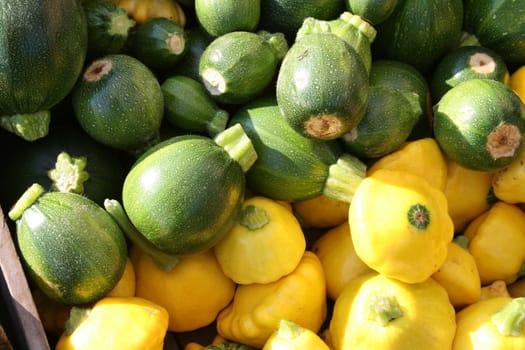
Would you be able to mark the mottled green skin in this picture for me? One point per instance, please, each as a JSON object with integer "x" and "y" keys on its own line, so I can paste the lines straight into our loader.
{"x": 218, "y": 17}
{"x": 456, "y": 67}
{"x": 419, "y": 32}
{"x": 43, "y": 46}
{"x": 374, "y": 11}
{"x": 289, "y": 166}
{"x": 185, "y": 195}
{"x": 322, "y": 75}
{"x": 386, "y": 124}
{"x": 499, "y": 25}
{"x": 72, "y": 248}
{"x": 124, "y": 108}
{"x": 468, "y": 113}
{"x": 246, "y": 62}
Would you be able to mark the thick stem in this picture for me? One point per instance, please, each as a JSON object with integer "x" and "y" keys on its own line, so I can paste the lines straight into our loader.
{"x": 289, "y": 330}
{"x": 77, "y": 315}
{"x": 29, "y": 126}
{"x": 462, "y": 241}
{"x": 238, "y": 145}
{"x": 69, "y": 174}
{"x": 253, "y": 218}
{"x": 25, "y": 201}
{"x": 384, "y": 309}
{"x": 165, "y": 261}
{"x": 511, "y": 318}
{"x": 344, "y": 177}
{"x": 277, "y": 41}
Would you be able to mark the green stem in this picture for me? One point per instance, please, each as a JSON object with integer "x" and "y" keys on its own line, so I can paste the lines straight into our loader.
{"x": 384, "y": 309}
{"x": 29, "y": 126}
{"x": 344, "y": 177}
{"x": 69, "y": 174}
{"x": 253, "y": 218}
{"x": 27, "y": 199}
{"x": 277, "y": 41}
{"x": 510, "y": 319}
{"x": 462, "y": 241}
{"x": 238, "y": 145}
{"x": 165, "y": 261}
{"x": 77, "y": 315}
{"x": 289, "y": 329}
{"x": 218, "y": 123}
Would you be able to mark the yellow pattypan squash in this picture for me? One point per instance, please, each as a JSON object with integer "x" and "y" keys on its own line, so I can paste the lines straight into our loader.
{"x": 421, "y": 157}
{"x": 257, "y": 308}
{"x": 125, "y": 287}
{"x": 468, "y": 193}
{"x": 491, "y": 324}
{"x": 321, "y": 211}
{"x": 129, "y": 323}
{"x": 193, "y": 292}
{"x": 517, "y": 82}
{"x": 143, "y": 10}
{"x": 497, "y": 288}
{"x": 266, "y": 243}
{"x": 400, "y": 225}
{"x": 459, "y": 276}
{"x": 508, "y": 182}
{"x": 497, "y": 241}
{"x": 291, "y": 336}
{"x": 377, "y": 312}
{"x": 339, "y": 259}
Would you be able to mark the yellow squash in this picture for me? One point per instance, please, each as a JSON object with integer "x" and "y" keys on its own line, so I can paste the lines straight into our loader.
{"x": 266, "y": 243}
{"x": 193, "y": 292}
{"x": 469, "y": 193}
{"x": 421, "y": 157}
{"x": 125, "y": 287}
{"x": 257, "y": 308}
{"x": 400, "y": 225}
{"x": 517, "y": 82}
{"x": 491, "y": 324}
{"x": 143, "y": 10}
{"x": 321, "y": 211}
{"x": 497, "y": 241}
{"x": 459, "y": 276}
{"x": 340, "y": 262}
{"x": 508, "y": 182}
{"x": 129, "y": 323}
{"x": 291, "y": 336}
{"x": 377, "y": 312}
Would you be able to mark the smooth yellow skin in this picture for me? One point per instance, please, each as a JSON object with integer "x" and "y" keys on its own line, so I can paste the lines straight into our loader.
{"x": 467, "y": 193}
{"x": 476, "y": 331}
{"x": 340, "y": 262}
{"x": 193, "y": 292}
{"x": 129, "y": 323}
{"x": 421, "y": 157}
{"x": 291, "y": 336}
{"x": 125, "y": 287}
{"x": 427, "y": 320}
{"x": 257, "y": 309}
{"x": 459, "y": 276}
{"x": 142, "y": 10}
{"x": 496, "y": 241}
{"x": 382, "y": 234}
{"x": 321, "y": 212}
{"x": 262, "y": 254}
{"x": 508, "y": 182}
{"x": 517, "y": 82}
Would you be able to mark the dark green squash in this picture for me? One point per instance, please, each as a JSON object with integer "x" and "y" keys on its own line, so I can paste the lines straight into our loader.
{"x": 71, "y": 247}
{"x": 373, "y": 11}
{"x": 480, "y": 124}
{"x": 218, "y": 17}
{"x": 43, "y": 46}
{"x": 420, "y": 32}
{"x": 119, "y": 102}
{"x": 185, "y": 193}
{"x": 498, "y": 25}
{"x": 322, "y": 86}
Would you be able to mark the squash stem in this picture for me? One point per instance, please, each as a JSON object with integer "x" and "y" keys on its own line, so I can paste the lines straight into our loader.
{"x": 344, "y": 177}
{"x": 29, "y": 126}
{"x": 165, "y": 261}
{"x": 27, "y": 199}
{"x": 384, "y": 309}
{"x": 238, "y": 145}
{"x": 277, "y": 41}
{"x": 253, "y": 218}
{"x": 218, "y": 123}
{"x": 69, "y": 174}
{"x": 289, "y": 330}
{"x": 77, "y": 315}
{"x": 511, "y": 318}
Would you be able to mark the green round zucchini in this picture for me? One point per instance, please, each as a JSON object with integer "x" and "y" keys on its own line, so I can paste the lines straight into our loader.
{"x": 218, "y": 17}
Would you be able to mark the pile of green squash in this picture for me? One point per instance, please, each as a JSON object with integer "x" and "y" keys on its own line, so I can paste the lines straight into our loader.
{"x": 149, "y": 123}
